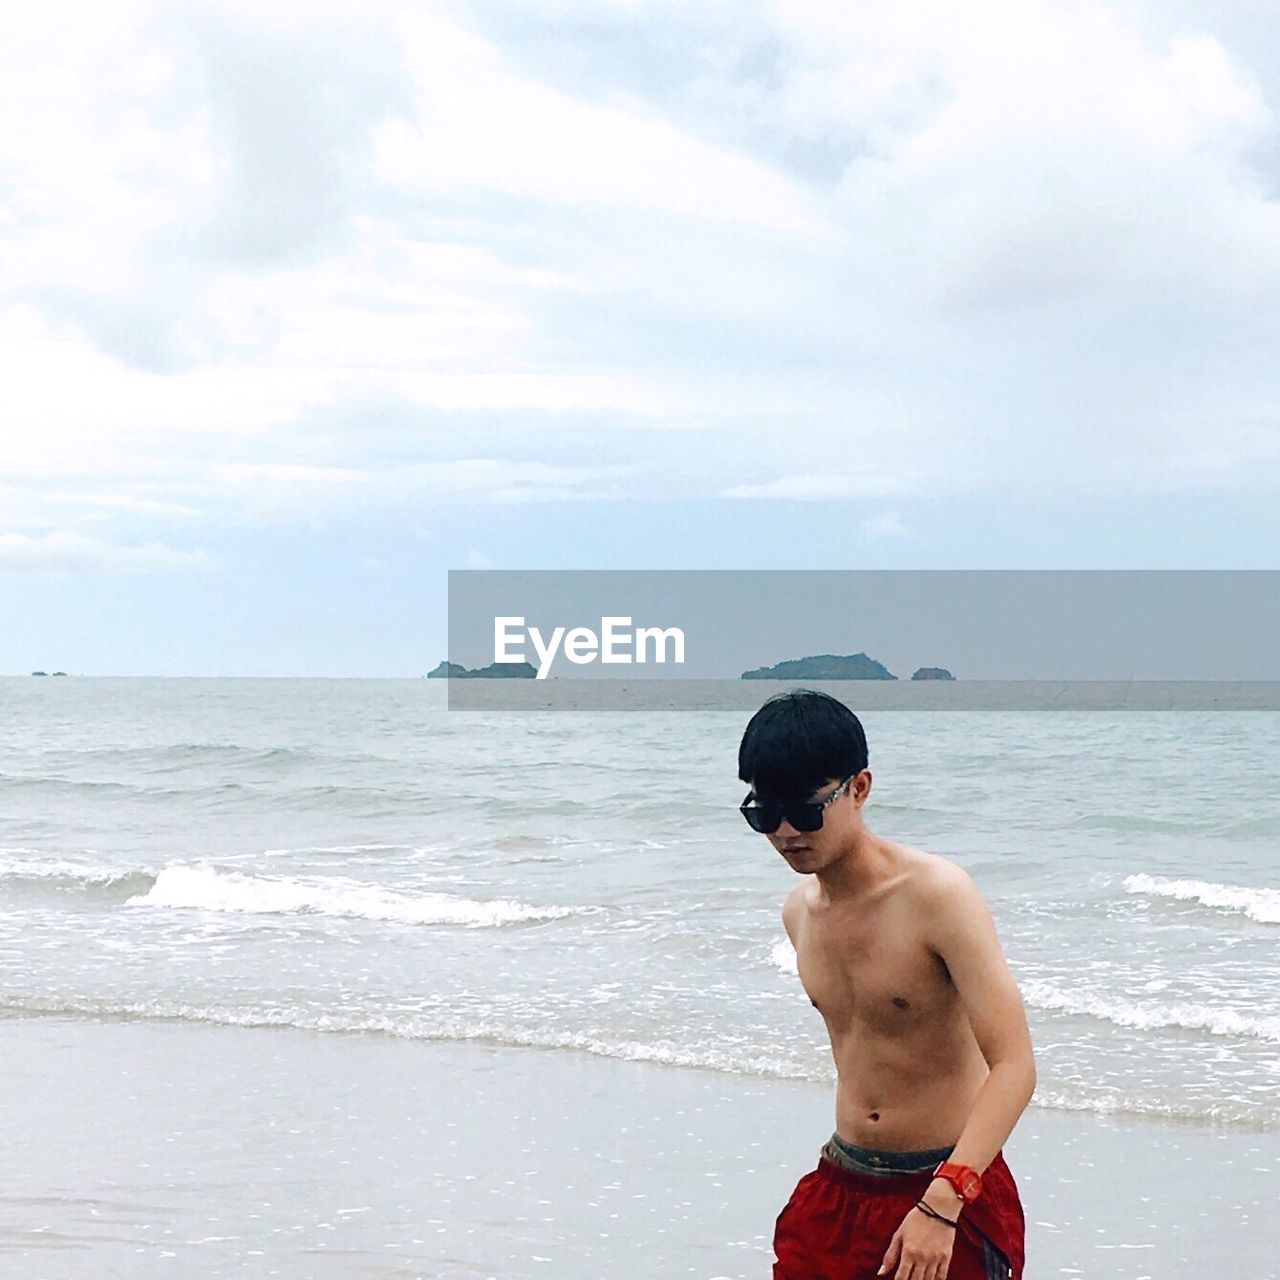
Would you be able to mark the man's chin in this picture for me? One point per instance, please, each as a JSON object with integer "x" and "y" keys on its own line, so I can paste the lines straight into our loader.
{"x": 799, "y": 859}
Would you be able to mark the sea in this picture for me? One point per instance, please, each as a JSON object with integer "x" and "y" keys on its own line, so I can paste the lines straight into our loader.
{"x": 353, "y": 858}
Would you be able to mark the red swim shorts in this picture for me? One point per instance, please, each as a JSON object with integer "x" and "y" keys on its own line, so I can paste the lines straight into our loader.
{"x": 838, "y": 1225}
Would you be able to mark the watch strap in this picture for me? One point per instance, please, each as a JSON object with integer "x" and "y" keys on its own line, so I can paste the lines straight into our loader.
{"x": 966, "y": 1181}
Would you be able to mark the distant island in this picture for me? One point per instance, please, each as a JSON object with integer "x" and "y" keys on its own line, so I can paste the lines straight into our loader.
{"x": 494, "y": 671}
{"x": 824, "y": 666}
{"x": 45, "y": 673}
{"x": 932, "y": 673}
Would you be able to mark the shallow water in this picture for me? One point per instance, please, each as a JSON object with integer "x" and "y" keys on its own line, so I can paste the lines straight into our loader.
{"x": 350, "y": 855}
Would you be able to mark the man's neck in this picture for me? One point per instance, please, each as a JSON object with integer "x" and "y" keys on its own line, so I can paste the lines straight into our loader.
{"x": 866, "y": 864}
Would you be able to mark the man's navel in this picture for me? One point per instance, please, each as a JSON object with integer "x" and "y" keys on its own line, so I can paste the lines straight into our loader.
{"x": 901, "y": 1003}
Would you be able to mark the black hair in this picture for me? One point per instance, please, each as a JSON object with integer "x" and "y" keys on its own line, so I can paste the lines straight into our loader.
{"x": 798, "y": 741}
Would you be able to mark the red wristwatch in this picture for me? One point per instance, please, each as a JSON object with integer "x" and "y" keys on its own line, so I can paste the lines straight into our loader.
{"x": 967, "y": 1182}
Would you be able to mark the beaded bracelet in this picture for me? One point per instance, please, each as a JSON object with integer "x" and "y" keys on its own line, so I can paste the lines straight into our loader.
{"x": 933, "y": 1213}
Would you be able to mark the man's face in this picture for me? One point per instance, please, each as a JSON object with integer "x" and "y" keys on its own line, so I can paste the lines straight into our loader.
{"x": 808, "y": 851}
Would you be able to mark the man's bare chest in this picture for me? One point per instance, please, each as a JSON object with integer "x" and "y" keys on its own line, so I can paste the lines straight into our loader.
{"x": 885, "y": 979}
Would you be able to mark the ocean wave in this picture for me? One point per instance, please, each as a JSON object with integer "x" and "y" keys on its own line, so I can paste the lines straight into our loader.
{"x": 417, "y": 1027}
{"x": 39, "y": 867}
{"x": 1262, "y": 905}
{"x": 155, "y": 758}
{"x": 50, "y": 788}
{"x": 1179, "y": 1017}
{"x": 156, "y": 787}
{"x": 342, "y": 849}
{"x": 1250, "y": 828}
{"x": 783, "y": 955}
{"x": 728, "y": 1059}
{"x": 208, "y": 889}
{"x": 1133, "y": 822}
{"x": 176, "y": 756}
{"x": 1222, "y": 1111}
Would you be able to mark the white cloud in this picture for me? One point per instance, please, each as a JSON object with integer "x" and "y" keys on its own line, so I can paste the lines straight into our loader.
{"x": 820, "y": 486}
{"x": 1001, "y": 247}
{"x": 64, "y": 551}
{"x": 282, "y": 490}
{"x": 1012, "y": 152}
{"x": 481, "y": 126}
{"x": 887, "y": 525}
{"x": 106, "y": 503}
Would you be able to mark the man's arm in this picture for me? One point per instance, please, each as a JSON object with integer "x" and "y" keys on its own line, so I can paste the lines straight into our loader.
{"x": 962, "y": 932}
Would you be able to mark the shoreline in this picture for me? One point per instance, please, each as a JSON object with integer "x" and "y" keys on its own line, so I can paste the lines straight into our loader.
{"x": 1121, "y": 1115}
{"x": 310, "y": 1153}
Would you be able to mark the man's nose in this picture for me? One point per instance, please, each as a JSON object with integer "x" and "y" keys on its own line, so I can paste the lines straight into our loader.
{"x": 786, "y": 830}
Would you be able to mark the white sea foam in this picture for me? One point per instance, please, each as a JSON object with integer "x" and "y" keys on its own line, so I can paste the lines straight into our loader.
{"x": 1215, "y": 1020}
{"x": 330, "y": 848}
{"x": 783, "y": 954}
{"x": 1222, "y": 1111}
{"x": 729, "y": 1059}
{"x": 208, "y": 889}
{"x": 428, "y": 1028}
{"x": 31, "y": 865}
{"x": 1258, "y": 904}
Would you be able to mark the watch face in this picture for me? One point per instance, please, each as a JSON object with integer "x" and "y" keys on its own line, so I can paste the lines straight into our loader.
{"x": 971, "y": 1184}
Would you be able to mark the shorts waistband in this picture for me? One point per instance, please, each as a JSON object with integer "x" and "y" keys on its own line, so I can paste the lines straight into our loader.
{"x": 867, "y": 1160}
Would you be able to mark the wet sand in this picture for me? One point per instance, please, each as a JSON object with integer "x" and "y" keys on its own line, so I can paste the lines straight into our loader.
{"x": 143, "y": 1149}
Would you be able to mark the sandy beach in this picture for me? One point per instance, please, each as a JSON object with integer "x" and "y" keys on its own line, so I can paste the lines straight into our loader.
{"x": 148, "y": 1148}
{"x": 292, "y": 989}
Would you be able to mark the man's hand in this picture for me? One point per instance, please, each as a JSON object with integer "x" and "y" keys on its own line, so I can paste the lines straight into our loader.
{"x": 920, "y": 1249}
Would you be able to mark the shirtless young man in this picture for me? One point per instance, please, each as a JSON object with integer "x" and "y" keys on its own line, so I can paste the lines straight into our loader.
{"x": 897, "y": 950}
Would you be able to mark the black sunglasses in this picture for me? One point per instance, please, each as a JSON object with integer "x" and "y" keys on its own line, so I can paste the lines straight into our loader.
{"x": 766, "y": 816}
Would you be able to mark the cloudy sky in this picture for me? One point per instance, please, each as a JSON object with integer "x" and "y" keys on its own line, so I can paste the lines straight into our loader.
{"x": 298, "y": 312}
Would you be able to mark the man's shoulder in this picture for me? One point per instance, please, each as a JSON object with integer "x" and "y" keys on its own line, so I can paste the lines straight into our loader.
{"x": 929, "y": 875}
{"x": 795, "y": 899}
{"x": 935, "y": 887}
{"x": 945, "y": 900}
